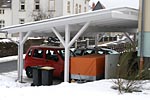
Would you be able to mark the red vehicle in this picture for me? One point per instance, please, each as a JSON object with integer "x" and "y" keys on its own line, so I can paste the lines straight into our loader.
{"x": 45, "y": 56}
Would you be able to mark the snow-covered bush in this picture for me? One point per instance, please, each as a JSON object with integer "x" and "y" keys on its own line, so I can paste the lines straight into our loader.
{"x": 128, "y": 78}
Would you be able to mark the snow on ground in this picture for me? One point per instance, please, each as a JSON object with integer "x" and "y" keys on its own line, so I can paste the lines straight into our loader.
{"x": 5, "y": 40}
{"x": 10, "y": 89}
{"x": 9, "y": 58}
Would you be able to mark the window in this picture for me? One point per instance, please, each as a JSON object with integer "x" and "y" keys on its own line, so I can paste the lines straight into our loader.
{"x": 22, "y": 5}
{"x": 51, "y": 55}
{"x": 37, "y": 5}
{"x": 2, "y": 23}
{"x": 52, "y": 5}
{"x": 2, "y": 11}
{"x": 76, "y": 8}
{"x": 38, "y": 53}
{"x": 79, "y": 8}
{"x": 21, "y": 21}
{"x": 68, "y": 7}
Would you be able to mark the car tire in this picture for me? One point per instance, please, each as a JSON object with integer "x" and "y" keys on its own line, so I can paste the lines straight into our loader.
{"x": 29, "y": 72}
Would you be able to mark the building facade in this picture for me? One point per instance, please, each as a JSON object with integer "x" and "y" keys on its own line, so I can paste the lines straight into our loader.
{"x": 5, "y": 14}
{"x": 23, "y": 11}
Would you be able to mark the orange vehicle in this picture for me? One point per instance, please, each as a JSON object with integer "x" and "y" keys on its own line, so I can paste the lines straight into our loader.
{"x": 45, "y": 56}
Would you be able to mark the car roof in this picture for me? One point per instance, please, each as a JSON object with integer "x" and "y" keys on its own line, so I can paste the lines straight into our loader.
{"x": 45, "y": 46}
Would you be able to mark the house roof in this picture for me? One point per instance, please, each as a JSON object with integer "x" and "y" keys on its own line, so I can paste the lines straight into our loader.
{"x": 5, "y": 3}
{"x": 105, "y": 20}
{"x": 98, "y": 6}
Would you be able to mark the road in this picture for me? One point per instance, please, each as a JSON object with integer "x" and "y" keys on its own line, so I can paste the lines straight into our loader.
{"x": 8, "y": 66}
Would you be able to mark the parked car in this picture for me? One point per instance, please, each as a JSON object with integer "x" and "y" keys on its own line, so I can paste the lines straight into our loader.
{"x": 45, "y": 56}
{"x": 99, "y": 50}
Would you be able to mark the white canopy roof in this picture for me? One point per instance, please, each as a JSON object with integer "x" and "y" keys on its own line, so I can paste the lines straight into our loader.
{"x": 106, "y": 20}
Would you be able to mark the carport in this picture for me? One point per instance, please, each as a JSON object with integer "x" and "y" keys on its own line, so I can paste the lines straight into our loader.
{"x": 90, "y": 23}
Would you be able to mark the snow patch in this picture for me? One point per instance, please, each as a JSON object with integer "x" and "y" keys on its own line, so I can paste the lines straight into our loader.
{"x": 10, "y": 89}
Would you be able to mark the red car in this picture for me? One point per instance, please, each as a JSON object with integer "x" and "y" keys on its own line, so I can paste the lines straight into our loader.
{"x": 45, "y": 56}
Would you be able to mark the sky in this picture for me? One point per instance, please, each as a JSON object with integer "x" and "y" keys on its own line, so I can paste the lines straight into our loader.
{"x": 118, "y": 3}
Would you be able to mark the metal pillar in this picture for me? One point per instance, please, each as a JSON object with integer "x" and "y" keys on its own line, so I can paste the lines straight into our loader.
{"x": 142, "y": 37}
{"x": 20, "y": 58}
{"x": 67, "y": 53}
{"x": 20, "y": 55}
{"x": 87, "y": 42}
{"x": 96, "y": 40}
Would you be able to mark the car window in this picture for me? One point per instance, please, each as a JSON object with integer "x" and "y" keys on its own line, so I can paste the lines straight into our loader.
{"x": 51, "y": 55}
{"x": 78, "y": 52}
{"x": 89, "y": 51}
{"x": 100, "y": 52}
{"x": 38, "y": 53}
{"x": 62, "y": 53}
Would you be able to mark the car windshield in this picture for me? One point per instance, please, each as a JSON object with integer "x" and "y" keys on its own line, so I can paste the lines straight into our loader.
{"x": 89, "y": 51}
{"x": 62, "y": 53}
{"x": 78, "y": 52}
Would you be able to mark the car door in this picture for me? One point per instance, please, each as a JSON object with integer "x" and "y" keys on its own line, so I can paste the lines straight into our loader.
{"x": 53, "y": 59}
{"x": 38, "y": 57}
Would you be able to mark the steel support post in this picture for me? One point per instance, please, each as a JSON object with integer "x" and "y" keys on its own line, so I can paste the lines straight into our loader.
{"x": 20, "y": 55}
{"x": 67, "y": 53}
{"x": 20, "y": 58}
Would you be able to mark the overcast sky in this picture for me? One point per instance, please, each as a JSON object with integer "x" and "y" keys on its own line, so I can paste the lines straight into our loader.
{"x": 118, "y": 3}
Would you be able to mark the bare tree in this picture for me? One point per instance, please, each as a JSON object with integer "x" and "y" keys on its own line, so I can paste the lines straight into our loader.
{"x": 128, "y": 77}
{"x": 40, "y": 15}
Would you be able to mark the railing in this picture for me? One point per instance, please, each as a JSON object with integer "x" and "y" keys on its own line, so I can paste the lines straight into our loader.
{"x": 124, "y": 47}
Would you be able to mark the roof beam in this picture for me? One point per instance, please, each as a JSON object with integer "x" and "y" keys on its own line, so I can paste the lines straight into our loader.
{"x": 79, "y": 33}
{"x": 25, "y": 38}
{"x": 58, "y": 35}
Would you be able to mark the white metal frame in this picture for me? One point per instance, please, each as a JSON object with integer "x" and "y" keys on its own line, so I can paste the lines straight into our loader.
{"x": 96, "y": 21}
